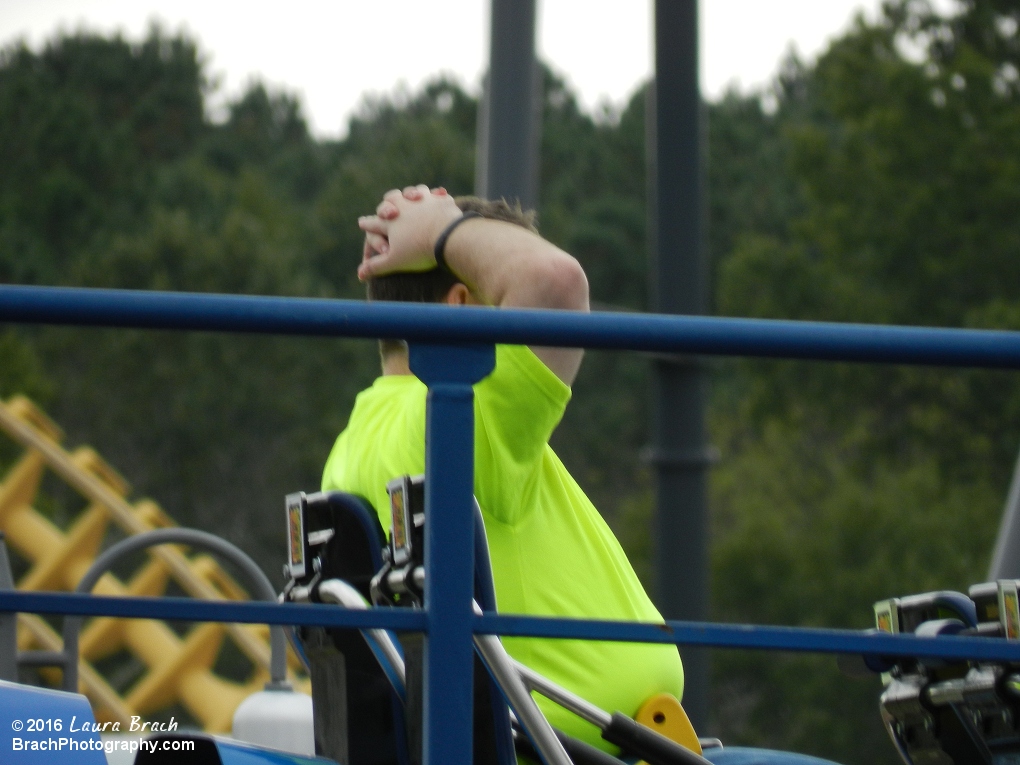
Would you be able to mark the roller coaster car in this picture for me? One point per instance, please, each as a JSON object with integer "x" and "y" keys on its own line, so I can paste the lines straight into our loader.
{"x": 944, "y": 712}
{"x": 359, "y": 720}
{"x": 367, "y": 694}
{"x": 337, "y": 536}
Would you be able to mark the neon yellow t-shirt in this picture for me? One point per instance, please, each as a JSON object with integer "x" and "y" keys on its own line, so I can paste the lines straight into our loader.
{"x": 552, "y": 553}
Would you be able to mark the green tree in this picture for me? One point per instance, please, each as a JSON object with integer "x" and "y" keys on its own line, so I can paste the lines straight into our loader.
{"x": 843, "y": 484}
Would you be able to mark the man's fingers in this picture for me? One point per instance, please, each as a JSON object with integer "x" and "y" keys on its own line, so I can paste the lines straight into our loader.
{"x": 387, "y": 210}
{"x": 373, "y": 224}
{"x": 416, "y": 193}
{"x": 439, "y": 191}
{"x": 372, "y": 266}
{"x": 393, "y": 194}
{"x": 375, "y": 244}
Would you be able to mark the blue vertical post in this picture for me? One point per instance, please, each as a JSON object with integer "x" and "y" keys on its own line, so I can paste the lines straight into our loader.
{"x": 449, "y": 372}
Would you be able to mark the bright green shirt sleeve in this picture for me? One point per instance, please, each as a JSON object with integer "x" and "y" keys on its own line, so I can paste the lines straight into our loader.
{"x": 517, "y": 408}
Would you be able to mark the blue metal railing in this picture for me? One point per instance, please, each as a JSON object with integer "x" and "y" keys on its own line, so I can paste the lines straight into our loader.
{"x": 451, "y": 349}
{"x": 430, "y": 323}
{"x": 813, "y": 639}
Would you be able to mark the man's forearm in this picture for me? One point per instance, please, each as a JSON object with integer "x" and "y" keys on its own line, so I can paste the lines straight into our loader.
{"x": 508, "y": 266}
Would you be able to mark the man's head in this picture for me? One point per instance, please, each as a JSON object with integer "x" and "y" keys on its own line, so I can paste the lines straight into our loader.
{"x": 436, "y": 286}
{"x": 433, "y": 286}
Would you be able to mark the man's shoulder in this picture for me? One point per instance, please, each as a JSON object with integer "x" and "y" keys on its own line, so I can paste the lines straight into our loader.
{"x": 518, "y": 365}
{"x": 389, "y": 398}
{"x": 386, "y": 388}
{"x": 517, "y": 409}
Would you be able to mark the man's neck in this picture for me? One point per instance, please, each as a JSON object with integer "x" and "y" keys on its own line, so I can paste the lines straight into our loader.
{"x": 395, "y": 364}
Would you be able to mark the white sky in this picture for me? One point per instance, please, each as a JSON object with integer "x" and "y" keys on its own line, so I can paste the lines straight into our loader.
{"x": 332, "y": 52}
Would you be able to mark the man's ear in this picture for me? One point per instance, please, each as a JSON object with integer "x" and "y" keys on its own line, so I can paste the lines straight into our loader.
{"x": 459, "y": 294}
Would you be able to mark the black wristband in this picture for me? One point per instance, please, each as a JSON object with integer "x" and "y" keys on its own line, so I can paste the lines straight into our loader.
{"x": 440, "y": 249}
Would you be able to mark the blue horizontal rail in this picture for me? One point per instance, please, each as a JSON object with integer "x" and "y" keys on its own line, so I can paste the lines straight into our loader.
{"x": 187, "y": 609}
{"x": 800, "y": 639}
{"x": 680, "y": 633}
{"x": 431, "y": 323}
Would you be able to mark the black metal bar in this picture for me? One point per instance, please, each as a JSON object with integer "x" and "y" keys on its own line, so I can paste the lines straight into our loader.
{"x": 509, "y": 123}
{"x": 259, "y": 583}
{"x": 8, "y": 622}
{"x": 1006, "y": 553}
{"x": 678, "y": 285}
{"x": 43, "y": 659}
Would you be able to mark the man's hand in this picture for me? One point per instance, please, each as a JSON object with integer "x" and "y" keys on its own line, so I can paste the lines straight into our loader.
{"x": 500, "y": 264}
{"x": 403, "y": 232}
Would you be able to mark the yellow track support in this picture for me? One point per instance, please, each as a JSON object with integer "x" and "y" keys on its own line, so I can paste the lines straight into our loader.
{"x": 178, "y": 669}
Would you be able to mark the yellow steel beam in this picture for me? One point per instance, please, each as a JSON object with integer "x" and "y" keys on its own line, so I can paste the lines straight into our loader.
{"x": 99, "y": 490}
{"x": 178, "y": 669}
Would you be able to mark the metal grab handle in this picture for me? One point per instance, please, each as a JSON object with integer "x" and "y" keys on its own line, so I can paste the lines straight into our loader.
{"x": 386, "y": 653}
{"x": 570, "y": 701}
{"x": 616, "y": 728}
{"x": 509, "y": 679}
{"x": 499, "y": 663}
{"x": 259, "y": 582}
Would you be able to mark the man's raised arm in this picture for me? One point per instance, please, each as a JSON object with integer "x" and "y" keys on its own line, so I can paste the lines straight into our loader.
{"x": 500, "y": 264}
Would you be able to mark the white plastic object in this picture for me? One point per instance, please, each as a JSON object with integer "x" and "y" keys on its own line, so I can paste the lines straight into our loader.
{"x": 279, "y": 719}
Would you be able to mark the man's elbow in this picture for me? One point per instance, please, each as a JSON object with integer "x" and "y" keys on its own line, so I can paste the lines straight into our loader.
{"x": 568, "y": 285}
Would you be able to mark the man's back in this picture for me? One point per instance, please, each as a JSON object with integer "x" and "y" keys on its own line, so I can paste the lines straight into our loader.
{"x": 552, "y": 554}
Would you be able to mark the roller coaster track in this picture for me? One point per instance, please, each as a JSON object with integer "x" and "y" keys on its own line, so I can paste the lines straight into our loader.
{"x": 178, "y": 668}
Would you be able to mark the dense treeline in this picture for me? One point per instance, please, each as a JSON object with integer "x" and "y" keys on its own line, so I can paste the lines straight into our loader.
{"x": 843, "y": 484}
{"x": 880, "y": 185}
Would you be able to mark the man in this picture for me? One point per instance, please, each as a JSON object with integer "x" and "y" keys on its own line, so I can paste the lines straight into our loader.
{"x": 552, "y": 554}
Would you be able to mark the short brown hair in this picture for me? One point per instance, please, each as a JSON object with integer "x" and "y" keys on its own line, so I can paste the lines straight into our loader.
{"x": 432, "y": 286}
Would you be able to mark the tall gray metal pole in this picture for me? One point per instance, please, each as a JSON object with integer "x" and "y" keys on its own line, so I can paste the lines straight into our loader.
{"x": 8, "y": 622}
{"x": 677, "y": 284}
{"x": 509, "y": 119}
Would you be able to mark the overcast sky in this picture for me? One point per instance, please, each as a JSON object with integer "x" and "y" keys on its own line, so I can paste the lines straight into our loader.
{"x": 332, "y": 52}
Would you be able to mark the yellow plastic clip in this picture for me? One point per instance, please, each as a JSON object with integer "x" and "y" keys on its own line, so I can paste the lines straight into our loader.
{"x": 664, "y": 714}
